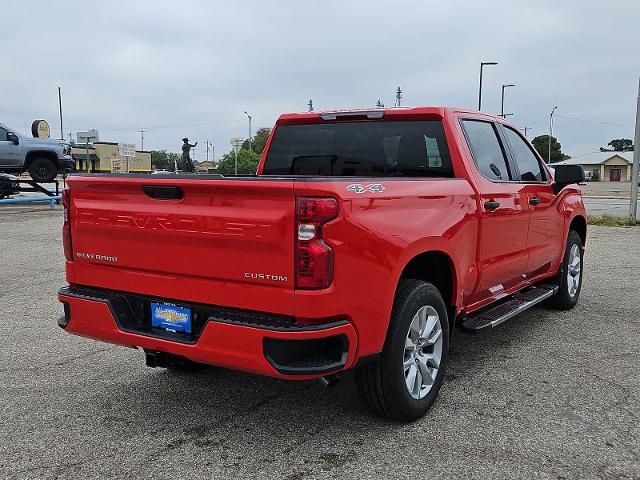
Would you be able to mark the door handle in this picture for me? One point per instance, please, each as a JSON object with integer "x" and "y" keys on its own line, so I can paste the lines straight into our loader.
{"x": 491, "y": 205}
{"x": 534, "y": 201}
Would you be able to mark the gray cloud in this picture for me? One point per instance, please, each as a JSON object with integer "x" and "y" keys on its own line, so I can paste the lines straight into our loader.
{"x": 192, "y": 68}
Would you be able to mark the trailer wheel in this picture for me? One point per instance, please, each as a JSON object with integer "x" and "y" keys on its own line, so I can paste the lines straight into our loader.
{"x": 43, "y": 169}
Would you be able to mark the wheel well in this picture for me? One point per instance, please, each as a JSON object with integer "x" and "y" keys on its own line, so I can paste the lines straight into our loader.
{"x": 31, "y": 156}
{"x": 579, "y": 224}
{"x": 436, "y": 268}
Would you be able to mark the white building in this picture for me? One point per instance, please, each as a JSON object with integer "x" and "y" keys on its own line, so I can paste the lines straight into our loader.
{"x": 608, "y": 166}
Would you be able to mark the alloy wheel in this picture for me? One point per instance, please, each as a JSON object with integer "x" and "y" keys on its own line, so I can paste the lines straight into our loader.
{"x": 422, "y": 352}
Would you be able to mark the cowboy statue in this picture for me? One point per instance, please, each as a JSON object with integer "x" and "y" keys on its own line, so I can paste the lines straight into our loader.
{"x": 187, "y": 164}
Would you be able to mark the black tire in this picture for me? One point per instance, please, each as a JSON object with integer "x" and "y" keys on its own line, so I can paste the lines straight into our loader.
{"x": 563, "y": 299}
{"x": 43, "y": 169}
{"x": 381, "y": 384}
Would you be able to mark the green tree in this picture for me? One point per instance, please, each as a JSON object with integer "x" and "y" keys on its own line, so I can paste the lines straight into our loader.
{"x": 163, "y": 160}
{"x": 247, "y": 163}
{"x": 541, "y": 144}
{"x": 259, "y": 140}
{"x": 621, "y": 145}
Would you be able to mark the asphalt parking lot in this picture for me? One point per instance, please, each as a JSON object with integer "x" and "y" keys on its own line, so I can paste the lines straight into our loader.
{"x": 548, "y": 395}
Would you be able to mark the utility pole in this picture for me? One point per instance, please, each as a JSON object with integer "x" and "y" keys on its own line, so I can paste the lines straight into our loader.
{"x": 310, "y": 106}
{"x": 526, "y": 129}
{"x": 250, "y": 147}
{"x": 379, "y": 104}
{"x": 551, "y": 132}
{"x": 633, "y": 206}
{"x": 207, "y": 144}
{"x": 141, "y": 139}
{"x": 60, "y": 108}
{"x": 502, "y": 114}
{"x": 482, "y": 64}
{"x": 398, "y": 96}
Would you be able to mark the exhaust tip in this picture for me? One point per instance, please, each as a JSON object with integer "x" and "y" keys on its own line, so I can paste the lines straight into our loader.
{"x": 330, "y": 380}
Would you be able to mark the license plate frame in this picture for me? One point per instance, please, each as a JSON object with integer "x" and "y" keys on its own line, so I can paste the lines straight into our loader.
{"x": 171, "y": 317}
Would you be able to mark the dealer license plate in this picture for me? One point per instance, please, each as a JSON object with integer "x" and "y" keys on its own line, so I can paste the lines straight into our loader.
{"x": 171, "y": 317}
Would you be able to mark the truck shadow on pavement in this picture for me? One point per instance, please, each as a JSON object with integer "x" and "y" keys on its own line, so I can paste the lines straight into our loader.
{"x": 222, "y": 408}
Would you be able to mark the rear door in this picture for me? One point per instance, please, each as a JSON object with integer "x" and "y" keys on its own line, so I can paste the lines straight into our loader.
{"x": 226, "y": 242}
{"x": 502, "y": 256}
{"x": 545, "y": 242}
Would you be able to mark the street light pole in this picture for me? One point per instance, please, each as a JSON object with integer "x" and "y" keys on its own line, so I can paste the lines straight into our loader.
{"x": 482, "y": 64}
{"x": 250, "y": 147}
{"x": 60, "y": 110}
{"x": 502, "y": 101}
{"x": 633, "y": 207}
{"x": 551, "y": 132}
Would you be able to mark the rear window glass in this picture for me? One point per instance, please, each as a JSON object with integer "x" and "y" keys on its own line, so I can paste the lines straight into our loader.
{"x": 415, "y": 149}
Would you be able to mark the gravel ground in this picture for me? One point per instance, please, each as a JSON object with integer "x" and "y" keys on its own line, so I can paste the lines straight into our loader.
{"x": 548, "y": 395}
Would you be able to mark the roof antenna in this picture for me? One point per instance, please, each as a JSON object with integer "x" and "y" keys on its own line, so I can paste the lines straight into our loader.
{"x": 310, "y": 105}
{"x": 398, "y": 96}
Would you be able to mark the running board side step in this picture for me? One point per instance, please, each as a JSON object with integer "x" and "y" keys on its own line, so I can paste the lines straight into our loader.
{"x": 517, "y": 303}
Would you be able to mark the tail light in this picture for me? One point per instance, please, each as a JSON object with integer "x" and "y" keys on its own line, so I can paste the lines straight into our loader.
{"x": 314, "y": 258}
{"x": 66, "y": 226}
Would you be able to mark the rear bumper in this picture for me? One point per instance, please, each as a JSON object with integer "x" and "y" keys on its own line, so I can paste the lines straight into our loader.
{"x": 284, "y": 350}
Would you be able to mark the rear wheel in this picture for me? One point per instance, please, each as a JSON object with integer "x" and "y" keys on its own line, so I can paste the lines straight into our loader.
{"x": 404, "y": 382}
{"x": 43, "y": 169}
{"x": 569, "y": 278}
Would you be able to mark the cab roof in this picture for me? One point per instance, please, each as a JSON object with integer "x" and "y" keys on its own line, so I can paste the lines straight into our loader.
{"x": 377, "y": 113}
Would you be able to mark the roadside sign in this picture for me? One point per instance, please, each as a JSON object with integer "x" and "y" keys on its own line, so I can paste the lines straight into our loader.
{"x": 116, "y": 165}
{"x": 126, "y": 150}
{"x": 89, "y": 136}
{"x": 40, "y": 129}
{"x": 236, "y": 144}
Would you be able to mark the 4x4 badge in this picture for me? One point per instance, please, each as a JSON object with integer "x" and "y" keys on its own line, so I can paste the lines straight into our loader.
{"x": 372, "y": 187}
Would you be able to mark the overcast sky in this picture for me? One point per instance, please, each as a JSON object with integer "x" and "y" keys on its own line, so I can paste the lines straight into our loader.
{"x": 191, "y": 68}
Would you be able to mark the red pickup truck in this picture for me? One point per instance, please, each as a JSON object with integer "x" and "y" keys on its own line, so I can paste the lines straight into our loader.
{"x": 365, "y": 239}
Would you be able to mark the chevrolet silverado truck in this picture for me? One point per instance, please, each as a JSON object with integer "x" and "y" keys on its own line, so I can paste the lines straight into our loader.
{"x": 364, "y": 241}
{"x": 43, "y": 158}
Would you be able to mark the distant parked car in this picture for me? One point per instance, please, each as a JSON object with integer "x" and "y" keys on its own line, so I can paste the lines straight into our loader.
{"x": 9, "y": 184}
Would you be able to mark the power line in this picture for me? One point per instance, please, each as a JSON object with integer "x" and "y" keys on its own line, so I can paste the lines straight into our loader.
{"x": 591, "y": 121}
{"x": 158, "y": 127}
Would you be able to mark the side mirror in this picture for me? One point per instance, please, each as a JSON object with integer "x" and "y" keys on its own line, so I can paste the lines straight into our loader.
{"x": 566, "y": 175}
{"x": 12, "y": 137}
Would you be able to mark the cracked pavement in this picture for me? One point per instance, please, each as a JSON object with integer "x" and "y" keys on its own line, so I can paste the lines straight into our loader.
{"x": 550, "y": 395}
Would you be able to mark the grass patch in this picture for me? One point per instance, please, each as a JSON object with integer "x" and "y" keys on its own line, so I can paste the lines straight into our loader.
{"x": 608, "y": 220}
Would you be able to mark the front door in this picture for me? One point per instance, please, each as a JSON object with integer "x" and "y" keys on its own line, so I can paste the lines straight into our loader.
{"x": 615, "y": 174}
{"x": 502, "y": 251}
{"x": 545, "y": 230}
{"x": 9, "y": 151}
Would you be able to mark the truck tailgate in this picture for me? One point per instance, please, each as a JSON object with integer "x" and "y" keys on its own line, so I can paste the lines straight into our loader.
{"x": 225, "y": 241}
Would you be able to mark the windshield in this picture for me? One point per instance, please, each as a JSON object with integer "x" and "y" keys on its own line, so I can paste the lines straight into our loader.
{"x": 413, "y": 148}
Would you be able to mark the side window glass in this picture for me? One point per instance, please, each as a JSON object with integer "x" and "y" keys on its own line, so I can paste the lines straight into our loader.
{"x": 528, "y": 164}
{"x": 486, "y": 150}
{"x": 3, "y": 135}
